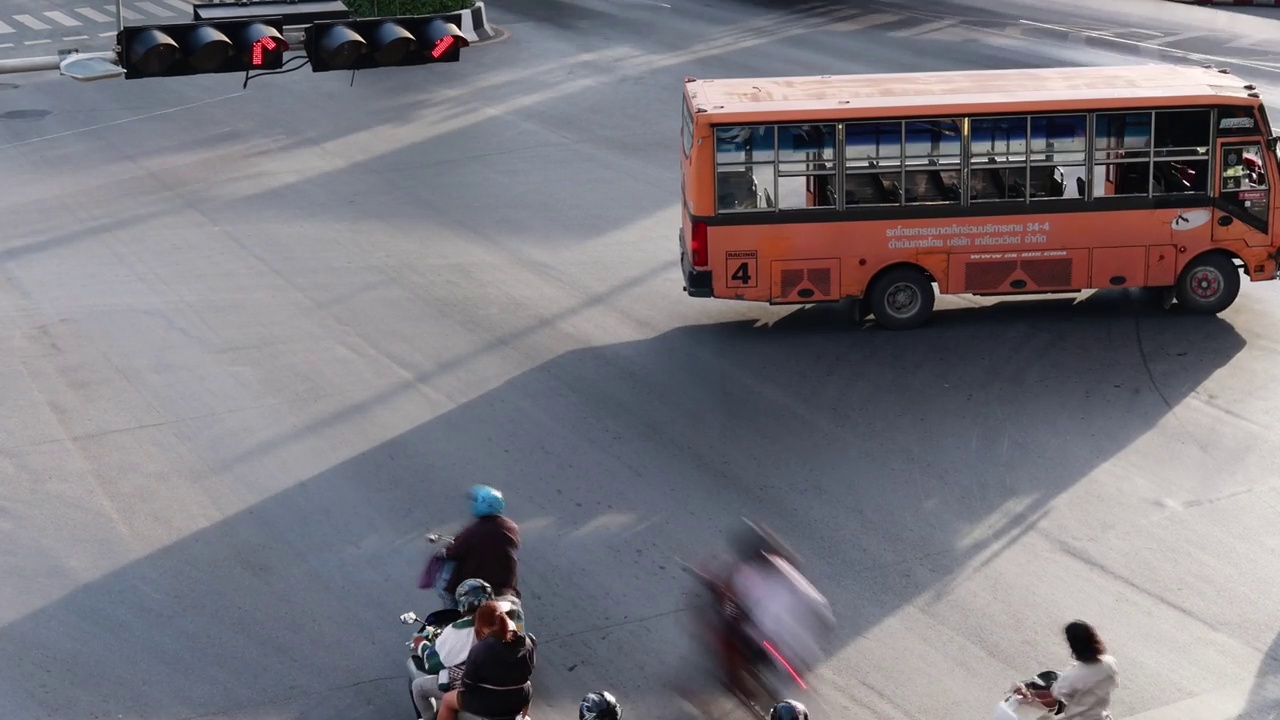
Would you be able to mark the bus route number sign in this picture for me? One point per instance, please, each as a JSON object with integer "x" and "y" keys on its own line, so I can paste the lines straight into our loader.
{"x": 740, "y": 268}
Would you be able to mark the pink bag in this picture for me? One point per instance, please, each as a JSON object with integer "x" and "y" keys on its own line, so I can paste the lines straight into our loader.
{"x": 431, "y": 573}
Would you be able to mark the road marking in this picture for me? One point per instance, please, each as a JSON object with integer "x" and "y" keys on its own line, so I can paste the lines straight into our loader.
{"x": 154, "y": 9}
{"x": 6, "y": 45}
{"x": 31, "y": 22}
{"x": 125, "y": 11}
{"x": 62, "y": 18}
{"x": 93, "y": 14}
{"x": 76, "y": 37}
{"x": 1272, "y": 67}
{"x": 183, "y": 6}
{"x": 36, "y": 42}
{"x": 922, "y": 29}
{"x": 106, "y": 34}
{"x": 1179, "y": 36}
{"x": 863, "y": 22}
{"x": 119, "y": 122}
{"x": 5, "y": 28}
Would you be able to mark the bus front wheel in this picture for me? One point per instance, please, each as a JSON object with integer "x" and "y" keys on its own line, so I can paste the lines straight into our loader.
{"x": 902, "y": 299}
{"x": 1208, "y": 284}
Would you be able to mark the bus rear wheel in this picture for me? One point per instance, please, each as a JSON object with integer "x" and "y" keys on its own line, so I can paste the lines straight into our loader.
{"x": 1208, "y": 284}
{"x": 902, "y": 299}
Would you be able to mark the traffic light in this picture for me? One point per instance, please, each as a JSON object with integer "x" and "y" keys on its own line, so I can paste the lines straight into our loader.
{"x": 383, "y": 42}
{"x": 202, "y": 47}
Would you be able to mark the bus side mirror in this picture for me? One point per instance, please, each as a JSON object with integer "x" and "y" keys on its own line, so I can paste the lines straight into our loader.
{"x": 1273, "y": 142}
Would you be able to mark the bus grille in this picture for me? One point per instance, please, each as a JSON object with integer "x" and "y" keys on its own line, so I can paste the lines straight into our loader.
{"x": 988, "y": 275}
{"x": 1049, "y": 273}
{"x": 792, "y": 279}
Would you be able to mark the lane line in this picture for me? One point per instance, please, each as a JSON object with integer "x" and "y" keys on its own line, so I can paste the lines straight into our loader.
{"x": 122, "y": 121}
{"x": 1273, "y": 67}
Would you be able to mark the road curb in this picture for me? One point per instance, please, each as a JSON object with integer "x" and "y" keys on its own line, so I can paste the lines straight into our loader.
{"x": 475, "y": 24}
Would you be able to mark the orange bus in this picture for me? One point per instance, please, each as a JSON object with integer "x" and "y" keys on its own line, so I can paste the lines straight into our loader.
{"x": 878, "y": 187}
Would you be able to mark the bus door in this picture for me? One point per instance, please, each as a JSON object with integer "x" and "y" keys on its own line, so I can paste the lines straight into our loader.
{"x": 1242, "y": 209}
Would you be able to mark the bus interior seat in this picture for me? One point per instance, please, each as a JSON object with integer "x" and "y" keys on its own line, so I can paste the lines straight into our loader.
{"x": 737, "y": 189}
{"x": 1082, "y": 187}
{"x": 1018, "y": 191}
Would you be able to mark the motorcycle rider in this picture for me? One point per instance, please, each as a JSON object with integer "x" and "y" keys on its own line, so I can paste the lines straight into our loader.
{"x": 599, "y": 705}
{"x": 770, "y": 601}
{"x": 446, "y": 657}
{"x": 486, "y": 549}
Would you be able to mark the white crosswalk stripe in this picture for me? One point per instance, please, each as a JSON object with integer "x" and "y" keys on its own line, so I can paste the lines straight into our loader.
{"x": 183, "y": 6}
{"x": 129, "y": 14}
{"x": 154, "y": 9}
{"x": 31, "y": 22}
{"x": 93, "y": 14}
{"x": 5, "y": 28}
{"x": 62, "y": 18}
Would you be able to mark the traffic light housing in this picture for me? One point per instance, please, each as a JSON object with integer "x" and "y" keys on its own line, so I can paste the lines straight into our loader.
{"x": 383, "y": 42}
{"x": 200, "y": 48}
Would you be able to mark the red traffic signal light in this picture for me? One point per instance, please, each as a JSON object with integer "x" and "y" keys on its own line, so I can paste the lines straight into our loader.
{"x": 384, "y": 42}
{"x": 202, "y": 47}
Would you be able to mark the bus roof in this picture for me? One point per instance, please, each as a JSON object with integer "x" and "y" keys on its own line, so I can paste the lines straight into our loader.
{"x": 964, "y": 91}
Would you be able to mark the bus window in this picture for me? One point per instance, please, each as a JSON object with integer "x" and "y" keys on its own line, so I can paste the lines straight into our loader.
{"x": 686, "y": 127}
{"x": 1244, "y": 180}
{"x": 1059, "y": 156}
{"x": 1122, "y": 159}
{"x": 1182, "y": 139}
{"x": 873, "y": 163}
{"x": 933, "y": 161}
{"x": 998, "y": 159}
{"x": 744, "y": 168}
{"x": 806, "y": 166}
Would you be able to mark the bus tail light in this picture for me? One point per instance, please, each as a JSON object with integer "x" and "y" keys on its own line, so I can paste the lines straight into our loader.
{"x": 698, "y": 245}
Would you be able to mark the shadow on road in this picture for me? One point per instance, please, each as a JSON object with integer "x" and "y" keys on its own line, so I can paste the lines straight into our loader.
{"x": 868, "y": 449}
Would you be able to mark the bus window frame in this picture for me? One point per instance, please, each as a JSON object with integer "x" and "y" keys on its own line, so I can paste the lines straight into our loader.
{"x": 1091, "y": 199}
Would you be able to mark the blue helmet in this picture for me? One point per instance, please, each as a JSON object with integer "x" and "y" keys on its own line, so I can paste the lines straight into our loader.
{"x": 486, "y": 501}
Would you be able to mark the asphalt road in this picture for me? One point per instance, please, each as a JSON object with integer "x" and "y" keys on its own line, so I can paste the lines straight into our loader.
{"x": 254, "y": 343}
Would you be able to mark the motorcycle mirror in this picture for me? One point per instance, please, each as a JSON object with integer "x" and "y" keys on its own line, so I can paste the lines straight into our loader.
{"x": 409, "y": 618}
{"x": 433, "y": 537}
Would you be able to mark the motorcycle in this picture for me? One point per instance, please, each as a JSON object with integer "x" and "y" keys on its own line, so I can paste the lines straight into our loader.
{"x": 769, "y": 677}
{"x": 1018, "y": 707}
{"x": 428, "y": 630}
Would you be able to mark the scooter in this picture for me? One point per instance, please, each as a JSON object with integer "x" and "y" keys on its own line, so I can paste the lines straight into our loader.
{"x": 428, "y": 630}
{"x": 1016, "y": 707}
{"x": 770, "y": 677}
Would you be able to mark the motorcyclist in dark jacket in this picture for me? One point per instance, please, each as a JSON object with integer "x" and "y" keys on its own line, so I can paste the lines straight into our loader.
{"x": 487, "y": 548}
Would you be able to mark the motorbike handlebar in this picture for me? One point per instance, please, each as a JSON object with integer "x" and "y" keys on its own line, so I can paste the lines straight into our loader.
{"x": 434, "y": 538}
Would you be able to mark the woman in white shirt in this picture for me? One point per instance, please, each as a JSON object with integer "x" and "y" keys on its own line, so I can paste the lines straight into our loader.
{"x": 1086, "y": 685}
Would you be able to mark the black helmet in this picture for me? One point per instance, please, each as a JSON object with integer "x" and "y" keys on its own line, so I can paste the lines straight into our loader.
{"x": 599, "y": 705}
{"x": 789, "y": 710}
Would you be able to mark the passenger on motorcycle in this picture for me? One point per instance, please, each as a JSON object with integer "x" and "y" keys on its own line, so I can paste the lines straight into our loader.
{"x": 487, "y": 548}
{"x": 495, "y": 683}
{"x": 444, "y": 658}
{"x": 774, "y": 603}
